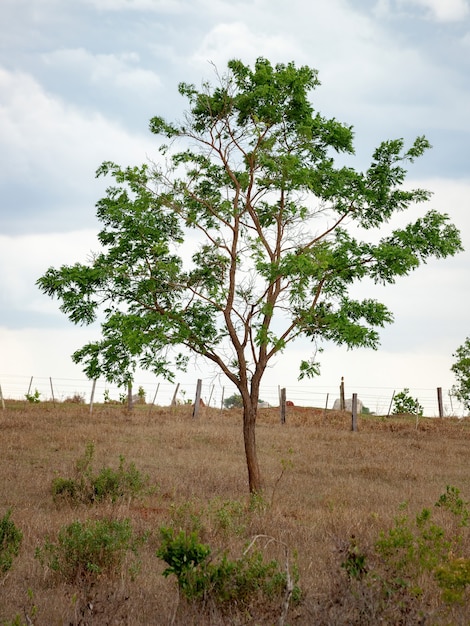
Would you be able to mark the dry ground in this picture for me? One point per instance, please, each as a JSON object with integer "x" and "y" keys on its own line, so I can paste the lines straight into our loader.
{"x": 323, "y": 484}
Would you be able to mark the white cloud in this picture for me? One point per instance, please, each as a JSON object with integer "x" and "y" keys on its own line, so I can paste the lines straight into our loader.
{"x": 237, "y": 40}
{"x": 113, "y": 70}
{"x": 437, "y": 10}
{"x": 442, "y": 10}
{"x": 42, "y": 134}
{"x": 53, "y": 151}
{"x": 44, "y": 352}
{"x": 26, "y": 257}
{"x": 170, "y": 6}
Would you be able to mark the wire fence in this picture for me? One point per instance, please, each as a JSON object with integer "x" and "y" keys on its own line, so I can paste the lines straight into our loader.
{"x": 377, "y": 400}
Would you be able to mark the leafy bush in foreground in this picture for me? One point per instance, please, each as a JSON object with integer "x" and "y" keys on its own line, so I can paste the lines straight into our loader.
{"x": 413, "y": 563}
{"x": 221, "y": 580}
{"x": 10, "y": 541}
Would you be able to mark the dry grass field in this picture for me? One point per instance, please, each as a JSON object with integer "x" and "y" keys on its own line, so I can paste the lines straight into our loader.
{"x": 328, "y": 494}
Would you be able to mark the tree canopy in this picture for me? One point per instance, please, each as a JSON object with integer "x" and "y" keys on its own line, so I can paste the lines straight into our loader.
{"x": 461, "y": 369}
{"x": 245, "y": 238}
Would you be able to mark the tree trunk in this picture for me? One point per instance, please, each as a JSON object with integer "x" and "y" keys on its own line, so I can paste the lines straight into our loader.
{"x": 249, "y": 437}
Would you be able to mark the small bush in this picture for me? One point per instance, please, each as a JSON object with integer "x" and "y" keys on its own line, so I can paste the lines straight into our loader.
{"x": 10, "y": 541}
{"x": 84, "y": 551}
{"x": 229, "y": 516}
{"x": 404, "y": 404}
{"x": 220, "y": 580}
{"x": 33, "y": 398}
{"x": 412, "y": 563}
{"x": 89, "y": 487}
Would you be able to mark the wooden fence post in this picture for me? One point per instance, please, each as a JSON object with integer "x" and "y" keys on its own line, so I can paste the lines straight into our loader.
{"x": 155, "y": 397}
{"x": 173, "y": 402}
{"x": 197, "y": 400}
{"x": 210, "y": 395}
{"x": 326, "y": 405}
{"x": 342, "y": 403}
{"x": 30, "y": 384}
{"x": 52, "y": 391}
{"x": 391, "y": 402}
{"x": 1, "y": 398}
{"x": 92, "y": 397}
{"x": 439, "y": 402}
{"x": 222, "y": 401}
{"x": 354, "y": 413}
{"x": 451, "y": 405}
{"x": 282, "y": 405}
{"x": 129, "y": 396}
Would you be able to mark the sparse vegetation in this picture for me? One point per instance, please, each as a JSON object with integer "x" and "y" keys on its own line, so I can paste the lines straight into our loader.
{"x": 207, "y": 579}
{"x": 86, "y": 551}
{"x": 334, "y": 527}
{"x": 412, "y": 563}
{"x": 77, "y": 398}
{"x": 10, "y": 541}
{"x": 88, "y": 487}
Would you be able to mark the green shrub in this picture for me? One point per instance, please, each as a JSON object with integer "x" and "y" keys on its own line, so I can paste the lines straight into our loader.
{"x": 416, "y": 557}
{"x": 10, "y": 541}
{"x": 202, "y": 577}
{"x": 183, "y": 553}
{"x": 88, "y": 487}
{"x": 229, "y": 516}
{"x": 404, "y": 404}
{"x": 33, "y": 398}
{"x": 84, "y": 551}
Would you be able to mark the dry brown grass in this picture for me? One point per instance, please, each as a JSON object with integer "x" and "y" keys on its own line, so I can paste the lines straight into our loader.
{"x": 323, "y": 484}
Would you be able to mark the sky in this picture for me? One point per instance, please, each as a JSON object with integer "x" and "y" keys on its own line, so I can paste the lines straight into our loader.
{"x": 79, "y": 81}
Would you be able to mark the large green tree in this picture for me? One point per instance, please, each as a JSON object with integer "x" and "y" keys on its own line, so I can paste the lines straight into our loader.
{"x": 246, "y": 238}
{"x": 461, "y": 369}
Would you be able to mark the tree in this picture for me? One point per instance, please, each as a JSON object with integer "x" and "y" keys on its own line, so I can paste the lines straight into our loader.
{"x": 461, "y": 369}
{"x": 247, "y": 238}
{"x": 404, "y": 404}
{"x": 233, "y": 401}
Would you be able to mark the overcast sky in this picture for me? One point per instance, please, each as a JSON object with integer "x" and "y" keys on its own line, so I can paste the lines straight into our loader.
{"x": 80, "y": 79}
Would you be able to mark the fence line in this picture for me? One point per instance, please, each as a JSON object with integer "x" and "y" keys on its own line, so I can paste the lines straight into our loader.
{"x": 377, "y": 400}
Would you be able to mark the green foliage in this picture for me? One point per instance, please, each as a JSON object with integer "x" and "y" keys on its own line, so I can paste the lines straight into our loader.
{"x": 33, "y": 398}
{"x": 412, "y": 548}
{"x": 187, "y": 516}
{"x": 250, "y": 189}
{"x": 233, "y": 401}
{"x": 461, "y": 369}
{"x": 452, "y": 501}
{"x": 453, "y": 577}
{"x": 10, "y": 541}
{"x": 183, "y": 553}
{"x": 229, "y": 516}
{"x": 201, "y": 576}
{"x": 141, "y": 395}
{"x": 85, "y": 551}
{"x": 89, "y": 487}
{"x": 258, "y": 182}
{"x": 404, "y": 404}
{"x": 16, "y": 621}
{"x": 413, "y": 555}
{"x": 354, "y": 562}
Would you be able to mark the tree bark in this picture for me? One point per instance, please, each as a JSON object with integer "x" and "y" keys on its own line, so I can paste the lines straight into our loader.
{"x": 249, "y": 437}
